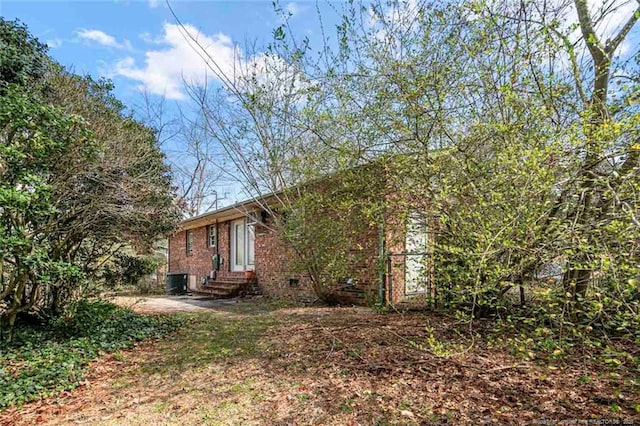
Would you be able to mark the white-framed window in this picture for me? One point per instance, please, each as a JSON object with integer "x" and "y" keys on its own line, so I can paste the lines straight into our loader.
{"x": 251, "y": 239}
{"x": 212, "y": 236}
{"x": 416, "y": 247}
{"x": 251, "y": 242}
{"x": 189, "y": 241}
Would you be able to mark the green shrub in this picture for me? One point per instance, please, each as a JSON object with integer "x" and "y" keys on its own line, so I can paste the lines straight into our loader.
{"x": 129, "y": 270}
{"x": 41, "y": 361}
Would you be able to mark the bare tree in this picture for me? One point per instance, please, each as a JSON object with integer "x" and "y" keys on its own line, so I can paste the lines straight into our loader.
{"x": 199, "y": 166}
{"x": 192, "y": 152}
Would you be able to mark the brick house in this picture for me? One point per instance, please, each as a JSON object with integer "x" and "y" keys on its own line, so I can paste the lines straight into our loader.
{"x": 216, "y": 249}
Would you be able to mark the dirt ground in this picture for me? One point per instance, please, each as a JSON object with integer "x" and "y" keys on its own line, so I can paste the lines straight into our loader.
{"x": 255, "y": 363}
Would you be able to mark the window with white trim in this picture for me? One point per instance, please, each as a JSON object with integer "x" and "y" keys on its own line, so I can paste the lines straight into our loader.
{"x": 212, "y": 236}
{"x": 251, "y": 241}
{"x": 189, "y": 242}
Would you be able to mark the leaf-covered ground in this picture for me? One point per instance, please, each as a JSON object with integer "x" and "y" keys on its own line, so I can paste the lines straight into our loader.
{"x": 254, "y": 363}
{"x": 46, "y": 359}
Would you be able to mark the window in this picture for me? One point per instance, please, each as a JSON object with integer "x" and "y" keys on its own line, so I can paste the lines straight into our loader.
{"x": 251, "y": 240}
{"x": 189, "y": 242}
{"x": 212, "y": 234}
{"x": 416, "y": 247}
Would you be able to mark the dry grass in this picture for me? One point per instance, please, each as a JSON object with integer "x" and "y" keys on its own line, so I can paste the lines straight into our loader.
{"x": 255, "y": 364}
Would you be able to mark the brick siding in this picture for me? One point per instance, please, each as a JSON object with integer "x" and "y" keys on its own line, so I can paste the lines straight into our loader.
{"x": 274, "y": 267}
{"x": 198, "y": 262}
{"x": 275, "y": 260}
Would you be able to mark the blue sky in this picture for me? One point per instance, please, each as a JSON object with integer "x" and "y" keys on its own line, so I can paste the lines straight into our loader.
{"x": 139, "y": 46}
{"x": 138, "y": 43}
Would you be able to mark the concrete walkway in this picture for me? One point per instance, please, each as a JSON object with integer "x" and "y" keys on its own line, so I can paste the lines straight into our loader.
{"x": 169, "y": 304}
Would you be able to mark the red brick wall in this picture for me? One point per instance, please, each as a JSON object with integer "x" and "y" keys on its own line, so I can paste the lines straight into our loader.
{"x": 176, "y": 252}
{"x": 198, "y": 262}
{"x": 275, "y": 268}
{"x": 394, "y": 244}
{"x": 364, "y": 260}
{"x": 224, "y": 245}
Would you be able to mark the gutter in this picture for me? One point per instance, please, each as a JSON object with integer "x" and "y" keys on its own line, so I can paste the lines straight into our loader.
{"x": 382, "y": 300}
{"x": 240, "y": 208}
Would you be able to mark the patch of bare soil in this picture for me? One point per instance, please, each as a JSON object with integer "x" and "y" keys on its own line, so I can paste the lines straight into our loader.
{"x": 331, "y": 366}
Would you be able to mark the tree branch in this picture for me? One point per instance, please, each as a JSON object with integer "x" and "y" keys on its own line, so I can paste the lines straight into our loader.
{"x": 588, "y": 33}
{"x": 613, "y": 44}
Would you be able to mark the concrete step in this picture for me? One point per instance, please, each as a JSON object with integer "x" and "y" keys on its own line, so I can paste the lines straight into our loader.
{"x": 230, "y": 278}
{"x": 225, "y": 287}
{"x": 225, "y": 283}
{"x": 216, "y": 293}
{"x": 222, "y": 287}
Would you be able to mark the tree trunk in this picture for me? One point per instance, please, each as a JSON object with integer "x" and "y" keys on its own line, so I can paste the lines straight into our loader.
{"x": 575, "y": 283}
{"x": 576, "y": 278}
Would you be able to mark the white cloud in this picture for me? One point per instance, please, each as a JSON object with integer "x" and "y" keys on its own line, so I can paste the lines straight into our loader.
{"x": 186, "y": 55}
{"x": 166, "y": 68}
{"x": 102, "y": 38}
{"x": 150, "y": 39}
{"x": 54, "y": 43}
{"x": 153, "y": 3}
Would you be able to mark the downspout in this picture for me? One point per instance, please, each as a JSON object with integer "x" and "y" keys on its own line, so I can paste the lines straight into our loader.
{"x": 168, "y": 255}
{"x": 217, "y": 247}
{"x": 381, "y": 265}
{"x": 228, "y": 267}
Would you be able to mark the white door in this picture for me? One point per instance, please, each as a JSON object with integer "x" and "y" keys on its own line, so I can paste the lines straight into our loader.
{"x": 237, "y": 245}
{"x": 242, "y": 245}
{"x": 416, "y": 272}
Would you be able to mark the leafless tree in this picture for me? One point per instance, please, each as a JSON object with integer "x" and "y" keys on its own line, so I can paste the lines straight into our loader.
{"x": 192, "y": 151}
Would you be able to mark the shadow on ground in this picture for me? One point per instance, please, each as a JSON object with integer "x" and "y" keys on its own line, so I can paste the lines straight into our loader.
{"x": 252, "y": 362}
